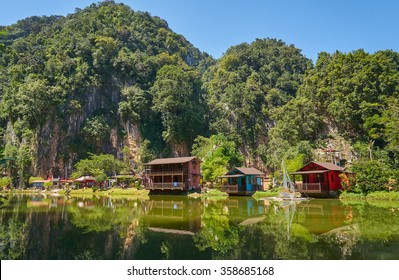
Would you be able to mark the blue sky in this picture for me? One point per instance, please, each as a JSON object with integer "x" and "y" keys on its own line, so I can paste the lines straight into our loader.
{"x": 213, "y": 26}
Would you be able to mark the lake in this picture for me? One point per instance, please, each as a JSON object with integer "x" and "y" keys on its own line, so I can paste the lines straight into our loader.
{"x": 179, "y": 227}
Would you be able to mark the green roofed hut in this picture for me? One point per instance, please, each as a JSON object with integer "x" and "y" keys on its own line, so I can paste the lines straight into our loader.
{"x": 242, "y": 181}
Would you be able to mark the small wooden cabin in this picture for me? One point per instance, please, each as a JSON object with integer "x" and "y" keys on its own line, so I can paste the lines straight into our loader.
{"x": 319, "y": 179}
{"x": 242, "y": 181}
{"x": 172, "y": 174}
{"x": 85, "y": 182}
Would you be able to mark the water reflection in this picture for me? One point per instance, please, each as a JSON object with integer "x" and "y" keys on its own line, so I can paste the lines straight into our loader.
{"x": 177, "y": 227}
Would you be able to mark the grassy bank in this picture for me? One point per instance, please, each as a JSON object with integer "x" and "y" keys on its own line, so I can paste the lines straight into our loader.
{"x": 210, "y": 193}
{"x": 113, "y": 192}
{"x": 122, "y": 192}
{"x": 382, "y": 195}
{"x": 270, "y": 193}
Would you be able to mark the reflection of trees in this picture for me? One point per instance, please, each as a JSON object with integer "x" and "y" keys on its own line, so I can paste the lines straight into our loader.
{"x": 104, "y": 215}
{"x": 14, "y": 231}
{"x": 108, "y": 216}
{"x": 217, "y": 232}
{"x": 273, "y": 237}
{"x": 52, "y": 228}
{"x": 377, "y": 235}
{"x": 13, "y": 240}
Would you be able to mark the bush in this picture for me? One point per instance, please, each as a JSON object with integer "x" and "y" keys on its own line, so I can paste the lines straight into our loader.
{"x": 371, "y": 176}
{"x": 5, "y": 182}
{"x": 47, "y": 185}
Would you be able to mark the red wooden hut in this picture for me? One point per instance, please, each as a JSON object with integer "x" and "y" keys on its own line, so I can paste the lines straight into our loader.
{"x": 319, "y": 179}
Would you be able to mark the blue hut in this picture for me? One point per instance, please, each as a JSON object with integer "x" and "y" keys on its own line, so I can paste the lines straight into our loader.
{"x": 242, "y": 181}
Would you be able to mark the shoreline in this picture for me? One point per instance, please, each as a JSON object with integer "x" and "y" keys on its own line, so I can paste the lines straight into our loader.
{"x": 373, "y": 196}
{"x": 133, "y": 192}
{"x": 113, "y": 192}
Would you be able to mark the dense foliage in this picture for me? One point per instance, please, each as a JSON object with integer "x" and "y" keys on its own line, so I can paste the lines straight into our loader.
{"x": 78, "y": 84}
{"x": 246, "y": 84}
{"x": 218, "y": 155}
{"x": 107, "y": 79}
{"x": 100, "y": 167}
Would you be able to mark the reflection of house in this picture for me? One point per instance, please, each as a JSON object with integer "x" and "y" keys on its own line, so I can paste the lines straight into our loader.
{"x": 319, "y": 178}
{"x": 242, "y": 181}
{"x": 172, "y": 174}
{"x": 243, "y": 208}
{"x": 172, "y": 214}
{"x": 320, "y": 218}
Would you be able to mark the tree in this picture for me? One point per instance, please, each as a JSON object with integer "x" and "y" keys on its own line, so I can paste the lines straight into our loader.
{"x": 246, "y": 84}
{"x": 64, "y": 79}
{"x": 371, "y": 175}
{"x": 100, "y": 166}
{"x": 96, "y": 129}
{"x": 176, "y": 98}
{"x": 218, "y": 155}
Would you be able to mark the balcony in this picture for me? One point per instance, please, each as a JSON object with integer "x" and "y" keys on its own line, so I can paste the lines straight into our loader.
{"x": 229, "y": 188}
{"x": 167, "y": 172}
{"x": 310, "y": 187}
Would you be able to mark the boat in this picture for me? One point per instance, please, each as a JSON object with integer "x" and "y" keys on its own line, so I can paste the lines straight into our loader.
{"x": 288, "y": 192}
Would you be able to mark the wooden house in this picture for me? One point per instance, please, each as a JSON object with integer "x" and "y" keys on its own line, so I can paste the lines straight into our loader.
{"x": 85, "y": 182}
{"x": 242, "y": 181}
{"x": 319, "y": 179}
{"x": 172, "y": 174}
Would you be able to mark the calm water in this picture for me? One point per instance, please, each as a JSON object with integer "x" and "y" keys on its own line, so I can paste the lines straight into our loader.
{"x": 177, "y": 227}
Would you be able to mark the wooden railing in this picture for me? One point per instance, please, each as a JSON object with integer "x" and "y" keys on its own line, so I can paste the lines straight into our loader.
{"x": 167, "y": 172}
{"x": 165, "y": 186}
{"x": 229, "y": 188}
{"x": 309, "y": 187}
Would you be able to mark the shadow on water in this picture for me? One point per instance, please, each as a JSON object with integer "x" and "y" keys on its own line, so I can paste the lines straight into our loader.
{"x": 177, "y": 227}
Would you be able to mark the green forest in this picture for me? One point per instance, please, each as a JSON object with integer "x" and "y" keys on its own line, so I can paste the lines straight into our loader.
{"x": 110, "y": 80}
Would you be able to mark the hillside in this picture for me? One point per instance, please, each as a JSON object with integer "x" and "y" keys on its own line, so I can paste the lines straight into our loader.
{"x": 86, "y": 83}
{"x": 108, "y": 79}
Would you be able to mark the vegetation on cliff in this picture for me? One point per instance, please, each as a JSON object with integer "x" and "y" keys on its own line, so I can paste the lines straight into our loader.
{"x": 110, "y": 80}
{"x": 96, "y": 81}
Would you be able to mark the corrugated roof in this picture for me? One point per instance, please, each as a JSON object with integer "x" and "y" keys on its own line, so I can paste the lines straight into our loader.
{"x": 85, "y": 178}
{"x": 249, "y": 171}
{"x": 232, "y": 176}
{"x": 171, "y": 160}
{"x": 329, "y": 166}
{"x": 326, "y": 165}
{"x": 309, "y": 172}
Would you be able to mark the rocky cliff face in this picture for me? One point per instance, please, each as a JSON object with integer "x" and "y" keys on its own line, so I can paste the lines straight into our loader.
{"x": 62, "y": 82}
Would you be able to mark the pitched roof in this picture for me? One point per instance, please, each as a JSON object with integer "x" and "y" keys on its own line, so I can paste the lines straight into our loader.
{"x": 85, "y": 178}
{"x": 171, "y": 160}
{"x": 249, "y": 170}
{"x": 328, "y": 166}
